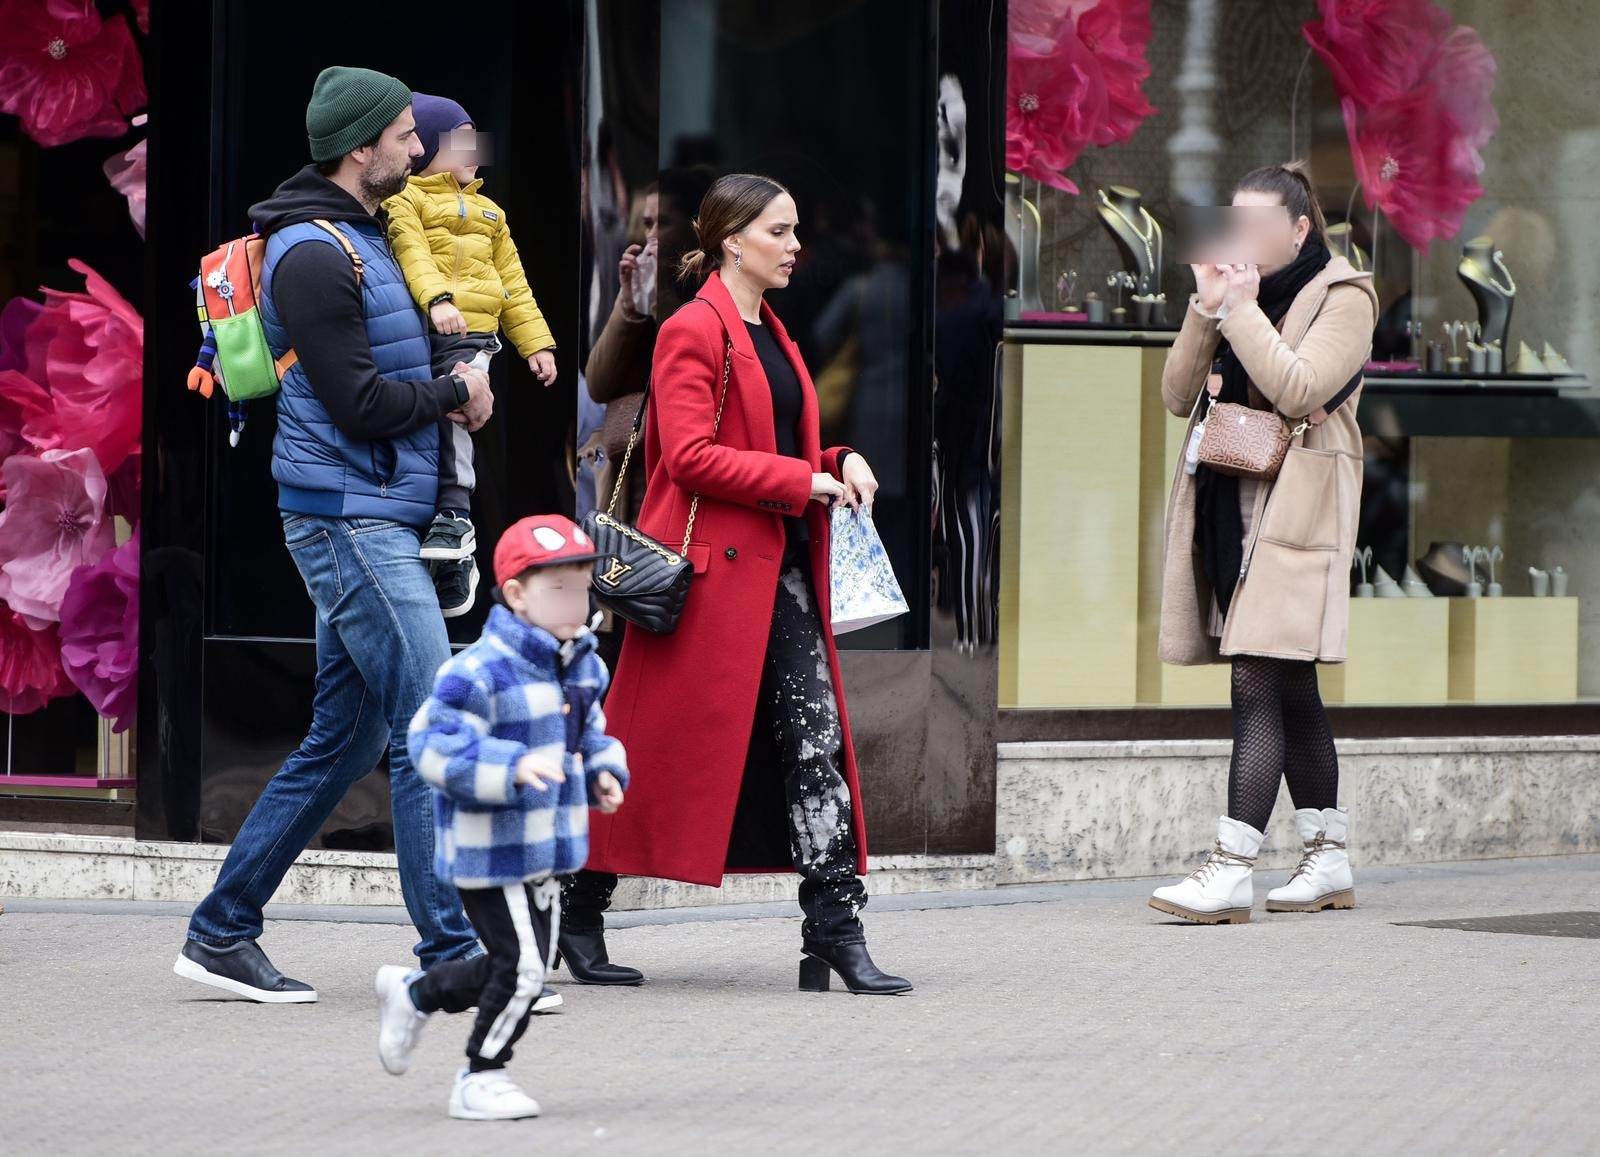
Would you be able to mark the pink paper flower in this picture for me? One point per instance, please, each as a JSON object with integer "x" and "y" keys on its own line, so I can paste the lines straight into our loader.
{"x": 66, "y": 72}
{"x": 1118, "y": 33}
{"x": 53, "y": 522}
{"x": 1377, "y": 50}
{"x": 1463, "y": 76}
{"x": 30, "y": 665}
{"x": 1056, "y": 96}
{"x": 88, "y": 348}
{"x": 141, "y": 12}
{"x": 22, "y": 400}
{"x": 126, "y": 172}
{"x": 1414, "y": 165}
{"x": 100, "y": 633}
{"x": 1075, "y": 71}
{"x": 19, "y": 313}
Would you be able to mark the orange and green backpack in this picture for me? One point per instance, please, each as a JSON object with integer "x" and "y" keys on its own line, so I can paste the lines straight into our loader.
{"x": 233, "y": 341}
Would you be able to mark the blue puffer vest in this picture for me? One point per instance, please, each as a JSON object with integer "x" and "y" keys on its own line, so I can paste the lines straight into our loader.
{"x": 318, "y": 469}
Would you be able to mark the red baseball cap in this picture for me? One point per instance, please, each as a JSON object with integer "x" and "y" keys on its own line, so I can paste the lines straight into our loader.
{"x": 541, "y": 540}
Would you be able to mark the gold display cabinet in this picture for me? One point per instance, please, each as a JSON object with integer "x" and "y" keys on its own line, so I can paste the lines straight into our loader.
{"x": 1088, "y": 461}
{"x": 1513, "y": 650}
{"x": 1399, "y": 653}
{"x": 1070, "y": 525}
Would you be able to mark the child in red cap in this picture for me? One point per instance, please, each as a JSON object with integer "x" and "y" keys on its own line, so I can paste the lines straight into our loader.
{"x": 514, "y": 743}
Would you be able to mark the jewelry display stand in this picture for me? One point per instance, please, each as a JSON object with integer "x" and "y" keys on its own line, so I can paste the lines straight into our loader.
{"x": 1483, "y": 271}
{"x": 1137, "y": 234}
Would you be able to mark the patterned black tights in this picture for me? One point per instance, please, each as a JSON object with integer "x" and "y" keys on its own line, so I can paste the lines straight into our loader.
{"x": 1280, "y": 730}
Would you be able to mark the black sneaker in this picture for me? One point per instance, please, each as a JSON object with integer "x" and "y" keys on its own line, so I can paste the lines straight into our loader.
{"x": 456, "y": 584}
{"x": 242, "y": 969}
{"x": 449, "y": 539}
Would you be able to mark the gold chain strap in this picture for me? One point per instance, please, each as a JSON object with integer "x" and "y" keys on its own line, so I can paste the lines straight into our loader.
{"x": 627, "y": 531}
{"x": 694, "y": 503}
{"x": 609, "y": 518}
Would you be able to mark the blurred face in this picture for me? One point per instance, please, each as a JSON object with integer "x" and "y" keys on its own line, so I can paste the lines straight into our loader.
{"x": 650, "y": 217}
{"x": 767, "y": 246}
{"x": 553, "y": 598}
{"x": 1262, "y": 232}
{"x": 385, "y": 165}
{"x": 461, "y": 152}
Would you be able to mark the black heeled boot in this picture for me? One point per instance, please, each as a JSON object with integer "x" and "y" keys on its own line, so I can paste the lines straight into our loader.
{"x": 853, "y": 964}
{"x": 586, "y": 959}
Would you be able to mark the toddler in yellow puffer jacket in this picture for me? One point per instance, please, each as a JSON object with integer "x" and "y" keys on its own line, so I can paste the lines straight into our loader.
{"x": 461, "y": 265}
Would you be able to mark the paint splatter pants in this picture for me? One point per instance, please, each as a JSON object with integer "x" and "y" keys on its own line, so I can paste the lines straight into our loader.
{"x": 797, "y": 687}
{"x": 797, "y": 691}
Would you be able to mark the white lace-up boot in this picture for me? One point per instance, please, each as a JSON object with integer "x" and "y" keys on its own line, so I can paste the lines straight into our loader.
{"x": 1219, "y": 890}
{"x": 1322, "y": 879}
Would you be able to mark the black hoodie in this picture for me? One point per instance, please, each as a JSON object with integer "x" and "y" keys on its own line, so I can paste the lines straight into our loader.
{"x": 319, "y": 303}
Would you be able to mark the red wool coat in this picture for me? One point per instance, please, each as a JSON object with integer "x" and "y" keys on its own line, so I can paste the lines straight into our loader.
{"x": 683, "y": 704}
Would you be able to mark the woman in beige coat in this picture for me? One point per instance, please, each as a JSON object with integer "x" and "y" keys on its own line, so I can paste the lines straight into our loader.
{"x": 1257, "y": 573}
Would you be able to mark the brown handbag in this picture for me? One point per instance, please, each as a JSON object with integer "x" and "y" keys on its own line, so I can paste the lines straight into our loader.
{"x": 1246, "y": 442}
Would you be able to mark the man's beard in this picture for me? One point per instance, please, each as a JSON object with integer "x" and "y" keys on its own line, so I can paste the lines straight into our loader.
{"x": 378, "y": 188}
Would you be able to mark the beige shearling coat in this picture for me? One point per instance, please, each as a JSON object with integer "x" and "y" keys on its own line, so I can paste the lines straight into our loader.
{"x": 1293, "y": 597}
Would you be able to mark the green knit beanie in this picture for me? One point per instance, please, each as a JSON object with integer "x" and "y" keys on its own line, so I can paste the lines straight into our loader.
{"x": 349, "y": 107}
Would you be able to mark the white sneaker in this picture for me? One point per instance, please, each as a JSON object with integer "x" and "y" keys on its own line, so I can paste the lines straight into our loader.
{"x": 489, "y": 1096}
{"x": 1322, "y": 879}
{"x": 399, "y": 1022}
{"x": 1218, "y": 891}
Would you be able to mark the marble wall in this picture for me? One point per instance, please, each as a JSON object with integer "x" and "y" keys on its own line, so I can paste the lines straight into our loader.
{"x": 1074, "y": 811}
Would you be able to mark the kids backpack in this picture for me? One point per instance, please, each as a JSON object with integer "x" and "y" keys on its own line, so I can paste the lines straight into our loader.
{"x": 233, "y": 341}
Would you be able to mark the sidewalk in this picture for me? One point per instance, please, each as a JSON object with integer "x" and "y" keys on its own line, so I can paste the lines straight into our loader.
{"x": 1053, "y": 1019}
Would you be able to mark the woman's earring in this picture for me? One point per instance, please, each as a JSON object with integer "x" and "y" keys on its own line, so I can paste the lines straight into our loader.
{"x": 738, "y": 260}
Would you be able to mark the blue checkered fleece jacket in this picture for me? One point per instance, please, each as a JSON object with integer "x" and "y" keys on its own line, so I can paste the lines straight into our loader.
{"x": 517, "y": 690}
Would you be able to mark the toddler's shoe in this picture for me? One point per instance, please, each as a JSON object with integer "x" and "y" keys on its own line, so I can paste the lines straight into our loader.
{"x": 456, "y": 584}
{"x": 399, "y": 1021}
{"x": 449, "y": 538}
{"x": 489, "y": 1096}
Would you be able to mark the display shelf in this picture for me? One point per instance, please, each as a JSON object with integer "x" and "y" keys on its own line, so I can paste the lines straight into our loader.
{"x": 1399, "y": 652}
{"x": 1513, "y": 650}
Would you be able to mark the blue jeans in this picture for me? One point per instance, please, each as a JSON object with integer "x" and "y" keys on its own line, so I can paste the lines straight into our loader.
{"x": 380, "y": 641}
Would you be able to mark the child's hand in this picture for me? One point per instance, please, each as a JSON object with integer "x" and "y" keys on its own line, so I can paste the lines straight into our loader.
{"x": 535, "y": 771}
{"x": 543, "y": 365}
{"x": 608, "y": 791}
{"x": 447, "y": 318}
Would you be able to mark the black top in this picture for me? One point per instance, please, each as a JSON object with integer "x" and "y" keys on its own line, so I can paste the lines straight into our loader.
{"x": 319, "y": 303}
{"x": 786, "y": 397}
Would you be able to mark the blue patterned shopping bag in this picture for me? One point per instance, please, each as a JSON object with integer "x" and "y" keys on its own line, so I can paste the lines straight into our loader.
{"x": 862, "y": 586}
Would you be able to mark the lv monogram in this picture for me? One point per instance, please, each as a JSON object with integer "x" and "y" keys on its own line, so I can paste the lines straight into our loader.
{"x": 614, "y": 576}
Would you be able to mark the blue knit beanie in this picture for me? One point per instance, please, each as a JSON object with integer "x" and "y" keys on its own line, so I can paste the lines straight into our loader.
{"x": 436, "y": 116}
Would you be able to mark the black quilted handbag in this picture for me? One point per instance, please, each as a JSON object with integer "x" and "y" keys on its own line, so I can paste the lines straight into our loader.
{"x": 639, "y": 579}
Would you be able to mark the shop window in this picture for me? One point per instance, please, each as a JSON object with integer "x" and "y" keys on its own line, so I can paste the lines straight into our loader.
{"x": 71, "y": 387}
{"x": 1458, "y": 174}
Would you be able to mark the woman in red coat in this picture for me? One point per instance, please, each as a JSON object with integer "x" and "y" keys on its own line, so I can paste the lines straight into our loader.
{"x": 742, "y": 705}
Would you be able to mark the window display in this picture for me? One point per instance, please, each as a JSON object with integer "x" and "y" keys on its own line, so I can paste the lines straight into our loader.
{"x": 1450, "y": 167}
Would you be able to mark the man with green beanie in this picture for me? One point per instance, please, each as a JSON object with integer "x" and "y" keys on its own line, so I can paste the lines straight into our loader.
{"x": 356, "y": 460}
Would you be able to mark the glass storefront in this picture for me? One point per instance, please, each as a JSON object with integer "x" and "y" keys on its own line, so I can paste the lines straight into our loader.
{"x": 879, "y": 116}
{"x": 1451, "y": 151}
{"x": 72, "y": 250}
{"x": 992, "y": 201}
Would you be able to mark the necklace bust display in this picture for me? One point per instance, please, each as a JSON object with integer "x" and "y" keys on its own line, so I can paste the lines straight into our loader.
{"x": 1136, "y": 233}
{"x": 1483, "y": 271}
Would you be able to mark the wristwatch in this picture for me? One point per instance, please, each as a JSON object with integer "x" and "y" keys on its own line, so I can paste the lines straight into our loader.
{"x": 462, "y": 392}
{"x": 435, "y": 300}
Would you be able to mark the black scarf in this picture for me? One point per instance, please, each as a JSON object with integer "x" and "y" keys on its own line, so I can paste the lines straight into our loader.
{"x": 1218, "y": 525}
